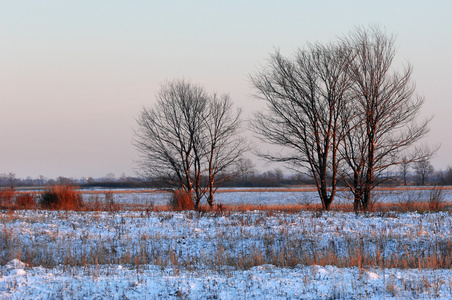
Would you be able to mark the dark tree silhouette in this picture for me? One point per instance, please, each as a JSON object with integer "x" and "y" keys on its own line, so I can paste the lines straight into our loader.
{"x": 188, "y": 138}
{"x": 305, "y": 97}
{"x": 385, "y": 111}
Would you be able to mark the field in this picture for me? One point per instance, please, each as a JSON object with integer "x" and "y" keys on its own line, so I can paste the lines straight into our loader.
{"x": 229, "y": 253}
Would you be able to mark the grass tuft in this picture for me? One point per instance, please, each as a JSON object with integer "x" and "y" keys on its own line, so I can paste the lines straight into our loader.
{"x": 61, "y": 197}
{"x": 181, "y": 200}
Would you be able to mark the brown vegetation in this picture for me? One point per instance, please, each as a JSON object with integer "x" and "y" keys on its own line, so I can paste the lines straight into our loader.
{"x": 349, "y": 252}
{"x": 6, "y": 197}
{"x": 410, "y": 200}
{"x": 26, "y": 201}
{"x": 181, "y": 200}
{"x": 62, "y": 197}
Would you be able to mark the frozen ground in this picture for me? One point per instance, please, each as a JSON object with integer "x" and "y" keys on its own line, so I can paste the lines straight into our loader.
{"x": 239, "y": 197}
{"x": 262, "y": 282}
{"x": 233, "y": 255}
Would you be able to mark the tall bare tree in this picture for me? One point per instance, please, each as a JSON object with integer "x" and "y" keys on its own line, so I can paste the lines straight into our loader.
{"x": 305, "y": 97}
{"x": 188, "y": 138}
{"x": 353, "y": 153}
{"x": 166, "y": 134}
{"x": 385, "y": 109}
{"x": 224, "y": 146}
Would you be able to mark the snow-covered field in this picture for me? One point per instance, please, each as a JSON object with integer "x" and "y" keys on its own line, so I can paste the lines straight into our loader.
{"x": 268, "y": 197}
{"x": 228, "y": 255}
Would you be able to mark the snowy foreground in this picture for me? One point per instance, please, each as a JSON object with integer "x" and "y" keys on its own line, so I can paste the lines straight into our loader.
{"x": 262, "y": 282}
{"x": 233, "y": 255}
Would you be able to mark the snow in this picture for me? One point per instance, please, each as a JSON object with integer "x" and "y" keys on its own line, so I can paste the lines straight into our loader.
{"x": 268, "y": 197}
{"x": 228, "y": 255}
{"x": 304, "y": 282}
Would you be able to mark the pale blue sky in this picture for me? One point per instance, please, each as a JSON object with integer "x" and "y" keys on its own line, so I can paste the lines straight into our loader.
{"x": 75, "y": 74}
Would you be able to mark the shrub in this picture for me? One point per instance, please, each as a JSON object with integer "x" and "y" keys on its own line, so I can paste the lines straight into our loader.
{"x": 26, "y": 201}
{"x": 63, "y": 197}
{"x": 181, "y": 200}
{"x": 435, "y": 199}
{"x": 6, "y": 196}
{"x": 110, "y": 204}
{"x": 409, "y": 200}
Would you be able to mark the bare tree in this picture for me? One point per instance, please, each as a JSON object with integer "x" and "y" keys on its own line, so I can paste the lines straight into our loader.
{"x": 12, "y": 180}
{"x": 423, "y": 169}
{"x": 305, "y": 98}
{"x": 247, "y": 168}
{"x": 385, "y": 109}
{"x": 404, "y": 168}
{"x": 224, "y": 146}
{"x": 446, "y": 176}
{"x": 188, "y": 138}
{"x": 166, "y": 135}
{"x": 353, "y": 154}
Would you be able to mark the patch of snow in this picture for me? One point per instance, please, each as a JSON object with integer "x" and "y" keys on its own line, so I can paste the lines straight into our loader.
{"x": 16, "y": 264}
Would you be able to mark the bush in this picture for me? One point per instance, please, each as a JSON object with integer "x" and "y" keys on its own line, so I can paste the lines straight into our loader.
{"x": 25, "y": 201}
{"x": 435, "y": 199}
{"x": 63, "y": 197}
{"x": 409, "y": 200}
{"x": 110, "y": 204}
{"x": 6, "y": 196}
{"x": 181, "y": 200}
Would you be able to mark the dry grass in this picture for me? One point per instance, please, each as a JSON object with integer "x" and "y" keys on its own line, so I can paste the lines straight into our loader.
{"x": 26, "y": 201}
{"x": 61, "y": 197}
{"x": 6, "y": 197}
{"x": 281, "y": 248}
{"x": 410, "y": 204}
{"x": 296, "y": 208}
{"x": 181, "y": 200}
{"x": 411, "y": 200}
{"x": 282, "y": 239}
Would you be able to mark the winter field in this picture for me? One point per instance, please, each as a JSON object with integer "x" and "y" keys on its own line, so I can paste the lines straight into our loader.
{"x": 148, "y": 253}
{"x": 267, "y": 196}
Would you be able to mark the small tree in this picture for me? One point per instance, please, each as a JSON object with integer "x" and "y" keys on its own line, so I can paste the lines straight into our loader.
{"x": 446, "y": 176}
{"x": 423, "y": 169}
{"x": 224, "y": 147}
{"x": 404, "y": 168}
{"x": 188, "y": 139}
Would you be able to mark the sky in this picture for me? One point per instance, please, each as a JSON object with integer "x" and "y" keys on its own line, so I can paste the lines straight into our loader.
{"x": 74, "y": 75}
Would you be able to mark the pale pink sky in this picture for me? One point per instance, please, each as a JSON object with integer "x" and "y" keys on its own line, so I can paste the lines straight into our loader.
{"x": 75, "y": 74}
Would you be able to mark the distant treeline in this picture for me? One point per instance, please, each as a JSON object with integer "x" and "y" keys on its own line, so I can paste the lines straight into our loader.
{"x": 273, "y": 178}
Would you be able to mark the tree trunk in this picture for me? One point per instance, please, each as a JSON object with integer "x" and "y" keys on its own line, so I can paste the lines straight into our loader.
{"x": 210, "y": 198}
{"x": 368, "y": 184}
{"x": 367, "y": 189}
{"x": 356, "y": 192}
{"x": 327, "y": 203}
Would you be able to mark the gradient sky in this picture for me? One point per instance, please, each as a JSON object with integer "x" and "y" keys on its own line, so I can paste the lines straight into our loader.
{"x": 74, "y": 75}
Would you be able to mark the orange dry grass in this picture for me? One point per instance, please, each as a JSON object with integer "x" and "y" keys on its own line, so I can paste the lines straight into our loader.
{"x": 6, "y": 197}
{"x": 184, "y": 203}
{"x": 26, "y": 201}
{"x": 294, "y": 208}
{"x": 62, "y": 197}
{"x": 181, "y": 200}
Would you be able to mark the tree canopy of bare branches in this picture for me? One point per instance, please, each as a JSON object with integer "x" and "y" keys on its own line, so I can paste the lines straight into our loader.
{"x": 384, "y": 110}
{"x": 423, "y": 169}
{"x": 305, "y": 97}
{"x": 190, "y": 139}
{"x": 341, "y": 110}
